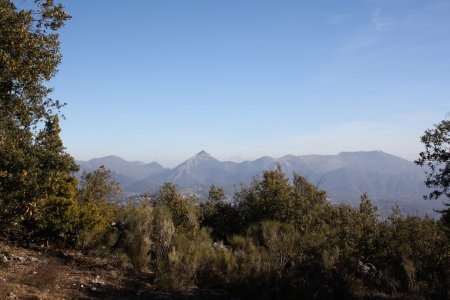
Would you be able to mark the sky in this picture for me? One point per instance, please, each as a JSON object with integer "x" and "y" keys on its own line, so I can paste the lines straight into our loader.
{"x": 163, "y": 80}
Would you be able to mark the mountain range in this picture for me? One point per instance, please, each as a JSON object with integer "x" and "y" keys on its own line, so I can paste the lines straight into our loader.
{"x": 386, "y": 178}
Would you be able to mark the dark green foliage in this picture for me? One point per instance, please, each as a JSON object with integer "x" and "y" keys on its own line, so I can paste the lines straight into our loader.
{"x": 135, "y": 226}
{"x": 272, "y": 197}
{"x": 419, "y": 255}
{"x": 184, "y": 212}
{"x": 96, "y": 209}
{"x": 297, "y": 245}
{"x": 163, "y": 231}
{"x": 436, "y": 157}
{"x": 311, "y": 249}
{"x": 223, "y": 218}
{"x": 216, "y": 194}
{"x": 41, "y": 201}
{"x": 267, "y": 198}
{"x": 98, "y": 186}
{"x": 36, "y": 180}
{"x": 278, "y": 239}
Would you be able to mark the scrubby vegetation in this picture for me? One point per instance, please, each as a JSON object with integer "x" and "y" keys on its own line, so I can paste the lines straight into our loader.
{"x": 277, "y": 239}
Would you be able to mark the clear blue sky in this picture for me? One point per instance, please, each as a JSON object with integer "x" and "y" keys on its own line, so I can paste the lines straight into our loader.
{"x": 162, "y": 80}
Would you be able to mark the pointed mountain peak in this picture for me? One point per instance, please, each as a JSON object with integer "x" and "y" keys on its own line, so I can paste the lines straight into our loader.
{"x": 198, "y": 158}
{"x": 202, "y": 153}
{"x": 201, "y": 156}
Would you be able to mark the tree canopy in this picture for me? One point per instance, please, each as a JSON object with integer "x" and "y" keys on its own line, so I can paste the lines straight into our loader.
{"x": 34, "y": 166}
{"x": 436, "y": 157}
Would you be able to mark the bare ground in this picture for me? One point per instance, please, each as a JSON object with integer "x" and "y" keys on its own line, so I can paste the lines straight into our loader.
{"x": 42, "y": 273}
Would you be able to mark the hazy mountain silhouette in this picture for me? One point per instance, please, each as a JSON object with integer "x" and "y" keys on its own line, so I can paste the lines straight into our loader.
{"x": 126, "y": 173}
{"x": 384, "y": 177}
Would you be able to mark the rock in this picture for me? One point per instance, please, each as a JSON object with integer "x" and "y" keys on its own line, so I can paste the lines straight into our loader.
{"x": 3, "y": 258}
{"x": 98, "y": 280}
{"x": 19, "y": 258}
{"x": 11, "y": 295}
{"x": 33, "y": 259}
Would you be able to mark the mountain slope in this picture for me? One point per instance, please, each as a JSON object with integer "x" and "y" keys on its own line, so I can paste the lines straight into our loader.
{"x": 386, "y": 178}
{"x": 126, "y": 173}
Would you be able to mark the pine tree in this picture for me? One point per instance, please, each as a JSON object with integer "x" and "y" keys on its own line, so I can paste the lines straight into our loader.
{"x": 56, "y": 188}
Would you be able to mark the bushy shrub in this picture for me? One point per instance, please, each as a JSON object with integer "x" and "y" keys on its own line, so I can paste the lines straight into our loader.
{"x": 224, "y": 219}
{"x": 97, "y": 210}
{"x": 184, "y": 212}
{"x": 188, "y": 258}
{"x": 136, "y": 226}
{"x": 162, "y": 234}
{"x": 419, "y": 255}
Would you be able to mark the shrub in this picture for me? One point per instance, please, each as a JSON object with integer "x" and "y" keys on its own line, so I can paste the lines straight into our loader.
{"x": 184, "y": 212}
{"x": 96, "y": 209}
{"x": 162, "y": 233}
{"x": 136, "y": 223}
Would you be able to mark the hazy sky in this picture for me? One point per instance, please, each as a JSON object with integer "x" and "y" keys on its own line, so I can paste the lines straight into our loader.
{"x": 162, "y": 80}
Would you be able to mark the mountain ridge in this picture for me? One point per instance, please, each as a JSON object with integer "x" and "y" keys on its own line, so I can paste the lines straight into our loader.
{"x": 345, "y": 176}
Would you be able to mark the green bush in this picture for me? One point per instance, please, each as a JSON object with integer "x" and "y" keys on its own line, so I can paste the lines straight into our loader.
{"x": 136, "y": 223}
{"x": 97, "y": 210}
{"x": 184, "y": 212}
{"x": 162, "y": 234}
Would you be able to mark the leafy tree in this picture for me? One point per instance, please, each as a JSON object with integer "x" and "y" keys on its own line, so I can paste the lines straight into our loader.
{"x": 97, "y": 211}
{"x": 29, "y": 55}
{"x": 310, "y": 207}
{"x": 266, "y": 198}
{"x": 98, "y": 186}
{"x": 184, "y": 212}
{"x": 273, "y": 197}
{"x": 216, "y": 194}
{"x": 436, "y": 157}
{"x": 223, "y": 218}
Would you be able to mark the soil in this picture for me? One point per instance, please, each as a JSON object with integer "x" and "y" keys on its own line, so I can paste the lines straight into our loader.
{"x": 44, "y": 273}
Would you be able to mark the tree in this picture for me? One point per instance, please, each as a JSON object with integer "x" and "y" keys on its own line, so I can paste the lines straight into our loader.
{"x": 269, "y": 197}
{"x": 216, "y": 194}
{"x": 56, "y": 186}
{"x": 29, "y": 56}
{"x": 184, "y": 212}
{"x": 98, "y": 186}
{"x": 96, "y": 209}
{"x": 436, "y": 157}
{"x": 220, "y": 216}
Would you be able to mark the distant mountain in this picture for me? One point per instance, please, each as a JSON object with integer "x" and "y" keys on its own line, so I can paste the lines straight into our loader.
{"x": 126, "y": 173}
{"x": 385, "y": 177}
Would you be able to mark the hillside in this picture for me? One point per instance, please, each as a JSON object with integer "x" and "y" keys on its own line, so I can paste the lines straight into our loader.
{"x": 47, "y": 273}
{"x": 386, "y": 178}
